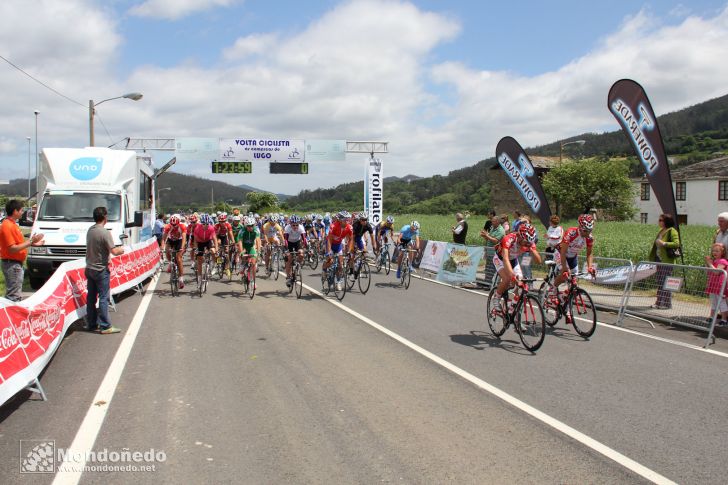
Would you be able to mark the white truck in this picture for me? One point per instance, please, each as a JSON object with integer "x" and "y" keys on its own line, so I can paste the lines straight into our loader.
{"x": 74, "y": 181}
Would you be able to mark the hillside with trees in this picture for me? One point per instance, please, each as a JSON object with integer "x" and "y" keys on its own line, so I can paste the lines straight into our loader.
{"x": 691, "y": 135}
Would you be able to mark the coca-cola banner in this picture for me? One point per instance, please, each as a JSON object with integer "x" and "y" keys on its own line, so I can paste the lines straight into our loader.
{"x": 515, "y": 163}
{"x": 628, "y": 102}
{"x": 32, "y": 330}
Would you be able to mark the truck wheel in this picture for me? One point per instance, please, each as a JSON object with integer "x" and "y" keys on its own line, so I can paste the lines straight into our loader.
{"x": 36, "y": 283}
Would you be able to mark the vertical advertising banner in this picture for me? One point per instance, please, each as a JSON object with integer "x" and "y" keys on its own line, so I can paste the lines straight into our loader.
{"x": 373, "y": 184}
{"x": 628, "y": 103}
{"x": 518, "y": 167}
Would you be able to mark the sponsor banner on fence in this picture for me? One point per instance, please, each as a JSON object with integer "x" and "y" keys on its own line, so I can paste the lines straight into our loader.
{"x": 517, "y": 166}
{"x": 266, "y": 149}
{"x": 32, "y": 330}
{"x": 460, "y": 263}
{"x": 628, "y": 103}
{"x": 373, "y": 185}
{"x": 620, "y": 274}
{"x": 432, "y": 256}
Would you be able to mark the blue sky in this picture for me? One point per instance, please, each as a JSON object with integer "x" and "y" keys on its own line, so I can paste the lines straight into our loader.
{"x": 441, "y": 81}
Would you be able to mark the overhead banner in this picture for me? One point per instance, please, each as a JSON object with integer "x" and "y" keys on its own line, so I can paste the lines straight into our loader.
{"x": 196, "y": 149}
{"x": 628, "y": 102}
{"x": 326, "y": 150}
{"x": 518, "y": 167}
{"x": 460, "y": 263}
{"x": 432, "y": 257}
{"x": 267, "y": 149}
{"x": 373, "y": 190}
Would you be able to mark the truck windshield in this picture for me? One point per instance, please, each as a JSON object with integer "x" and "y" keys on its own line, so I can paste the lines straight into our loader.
{"x": 78, "y": 206}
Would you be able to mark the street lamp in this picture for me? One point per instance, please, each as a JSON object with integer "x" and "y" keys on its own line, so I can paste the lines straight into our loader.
{"x": 92, "y": 110}
{"x": 159, "y": 197}
{"x": 562, "y": 145}
{"x": 28, "y": 138}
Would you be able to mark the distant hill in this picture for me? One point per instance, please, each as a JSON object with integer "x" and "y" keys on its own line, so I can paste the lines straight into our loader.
{"x": 691, "y": 135}
{"x": 281, "y": 197}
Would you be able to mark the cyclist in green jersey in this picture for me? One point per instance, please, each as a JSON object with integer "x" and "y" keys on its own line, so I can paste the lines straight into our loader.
{"x": 248, "y": 239}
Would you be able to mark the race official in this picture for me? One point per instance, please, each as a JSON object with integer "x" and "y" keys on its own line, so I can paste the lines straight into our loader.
{"x": 14, "y": 250}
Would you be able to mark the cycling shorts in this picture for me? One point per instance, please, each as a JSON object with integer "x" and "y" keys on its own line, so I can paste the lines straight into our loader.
{"x": 272, "y": 240}
{"x": 573, "y": 263}
{"x": 498, "y": 263}
{"x": 175, "y": 244}
{"x": 201, "y": 246}
{"x": 336, "y": 249}
{"x": 294, "y": 246}
{"x": 359, "y": 243}
{"x": 250, "y": 249}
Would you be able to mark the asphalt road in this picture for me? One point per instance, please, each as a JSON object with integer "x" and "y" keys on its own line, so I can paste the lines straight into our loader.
{"x": 280, "y": 390}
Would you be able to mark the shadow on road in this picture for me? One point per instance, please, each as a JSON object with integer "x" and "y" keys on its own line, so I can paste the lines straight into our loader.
{"x": 480, "y": 340}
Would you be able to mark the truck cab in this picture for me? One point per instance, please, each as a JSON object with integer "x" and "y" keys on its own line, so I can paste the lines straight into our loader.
{"x": 72, "y": 183}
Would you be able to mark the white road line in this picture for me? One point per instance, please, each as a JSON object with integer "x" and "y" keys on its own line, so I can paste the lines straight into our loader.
{"x": 91, "y": 425}
{"x": 595, "y": 445}
{"x": 603, "y": 324}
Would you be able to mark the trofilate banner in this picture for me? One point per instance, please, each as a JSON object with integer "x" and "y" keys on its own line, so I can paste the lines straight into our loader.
{"x": 628, "y": 103}
{"x": 518, "y": 167}
{"x": 32, "y": 330}
{"x": 373, "y": 193}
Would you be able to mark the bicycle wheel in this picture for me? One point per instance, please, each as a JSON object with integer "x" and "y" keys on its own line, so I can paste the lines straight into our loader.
{"x": 324, "y": 281}
{"x": 293, "y": 277}
{"x": 406, "y": 275}
{"x": 387, "y": 263}
{"x": 350, "y": 272}
{"x": 496, "y": 318}
{"x": 233, "y": 268}
{"x": 379, "y": 260}
{"x": 174, "y": 281}
{"x": 530, "y": 323}
{"x": 245, "y": 280}
{"x": 298, "y": 281}
{"x": 551, "y": 311}
{"x": 340, "y": 285}
{"x": 364, "y": 278}
{"x": 313, "y": 263}
{"x": 583, "y": 314}
{"x": 251, "y": 281}
{"x": 275, "y": 265}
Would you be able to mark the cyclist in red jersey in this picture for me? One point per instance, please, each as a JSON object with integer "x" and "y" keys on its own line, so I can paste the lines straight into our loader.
{"x": 204, "y": 238}
{"x": 339, "y": 231}
{"x": 224, "y": 233}
{"x": 574, "y": 240}
{"x": 506, "y": 255}
{"x": 174, "y": 237}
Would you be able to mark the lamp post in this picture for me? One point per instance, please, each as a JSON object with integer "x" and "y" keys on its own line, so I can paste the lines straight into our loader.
{"x": 92, "y": 110}
{"x": 28, "y": 138}
{"x": 562, "y": 145}
{"x": 159, "y": 197}
{"x": 37, "y": 161}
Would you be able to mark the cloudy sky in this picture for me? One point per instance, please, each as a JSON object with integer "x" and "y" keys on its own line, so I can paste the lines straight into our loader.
{"x": 442, "y": 82}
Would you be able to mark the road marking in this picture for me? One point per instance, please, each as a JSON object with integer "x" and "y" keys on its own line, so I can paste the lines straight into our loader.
{"x": 91, "y": 425}
{"x": 582, "y": 438}
{"x": 602, "y": 324}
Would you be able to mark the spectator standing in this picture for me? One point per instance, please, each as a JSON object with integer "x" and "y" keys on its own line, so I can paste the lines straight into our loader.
{"x": 492, "y": 238}
{"x": 554, "y": 235}
{"x": 721, "y": 235}
{"x": 489, "y": 221}
{"x": 99, "y": 244}
{"x": 517, "y": 216}
{"x": 459, "y": 230}
{"x": 717, "y": 260}
{"x": 158, "y": 230}
{"x": 14, "y": 250}
{"x": 504, "y": 222}
{"x": 666, "y": 242}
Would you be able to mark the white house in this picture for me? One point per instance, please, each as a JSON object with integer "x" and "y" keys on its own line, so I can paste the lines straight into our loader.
{"x": 701, "y": 193}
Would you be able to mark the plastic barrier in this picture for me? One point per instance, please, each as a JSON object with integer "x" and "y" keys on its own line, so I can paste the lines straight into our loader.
{"x": 32, "y": 330}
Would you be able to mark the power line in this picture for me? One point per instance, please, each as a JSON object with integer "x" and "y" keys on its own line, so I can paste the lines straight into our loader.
{"x": 42, "y": 83}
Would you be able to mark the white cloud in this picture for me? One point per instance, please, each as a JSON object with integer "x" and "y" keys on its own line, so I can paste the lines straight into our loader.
{"x": 176, "y": 9}
{"x": 362, "y": 70}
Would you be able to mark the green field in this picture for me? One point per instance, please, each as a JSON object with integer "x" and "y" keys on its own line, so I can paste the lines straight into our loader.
{"x": 623, "y": 240}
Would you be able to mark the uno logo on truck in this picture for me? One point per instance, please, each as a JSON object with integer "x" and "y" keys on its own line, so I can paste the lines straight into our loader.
{"x": 86, "y": 168}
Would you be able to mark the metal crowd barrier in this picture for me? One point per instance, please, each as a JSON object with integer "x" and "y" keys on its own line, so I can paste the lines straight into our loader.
{"x": 677, "y": 295}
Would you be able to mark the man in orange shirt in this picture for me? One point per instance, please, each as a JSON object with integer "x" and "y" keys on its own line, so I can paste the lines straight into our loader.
{"x": 14, "y": 249}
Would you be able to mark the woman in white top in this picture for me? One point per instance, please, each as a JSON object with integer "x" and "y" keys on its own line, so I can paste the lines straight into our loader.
{"x": 555, "y": 233}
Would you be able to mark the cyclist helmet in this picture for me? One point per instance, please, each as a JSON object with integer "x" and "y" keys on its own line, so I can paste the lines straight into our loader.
{"x": 249, "y": 221}
{"x": 194, "y": 217}
{"x": 415, "y": 225}
{"x": 363, "y": 216}
{"x": 236, "y": 218}
{"x": 294, "y": 219}
{"x": 222, "y": 217}
{"x": 527, "y": 233}
{"x": 327, "y": 219}
{"x": 586, "y": 222}
{"x": 256, "y": 215}
{"x": 174, "y": 220}
{"x": 319, "y": 217}
{"x": 274, "y": 219}
{"x": 206, "y": 220}
{"x": 343, "y": 215}
{"x": 390, "y": 219}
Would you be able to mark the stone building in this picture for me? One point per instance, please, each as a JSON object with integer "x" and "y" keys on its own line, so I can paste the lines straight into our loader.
{"x": 505, "y": 197}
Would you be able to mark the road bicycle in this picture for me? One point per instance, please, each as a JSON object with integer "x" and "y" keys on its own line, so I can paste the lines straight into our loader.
{"x": 357, "y": 271}
{"x": 174, "y": 274}
{"x": 221, "y": 262}
{"x": 247, "y": 276}
{"x": 233, "y": 261}
{"x": 310, "y": 254}
{"x": 405, "y": 267}
{"x": 296, "y": 277}
{"x": 204, "y": 276}
{"x": 574, "y": 304}
{"x": 332, "y": 278}
{"x": 272, "y": 254}
{"x": 523, "y": 311}
{"x": 382, "y": 258}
